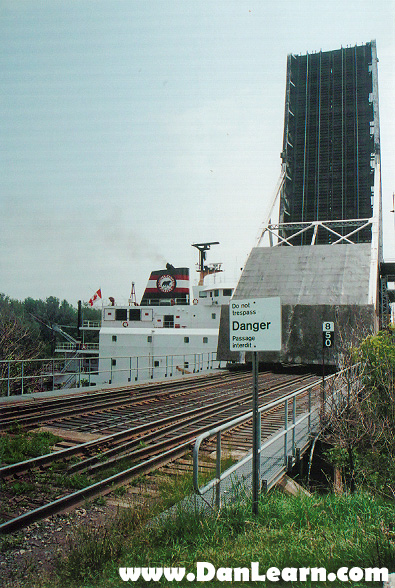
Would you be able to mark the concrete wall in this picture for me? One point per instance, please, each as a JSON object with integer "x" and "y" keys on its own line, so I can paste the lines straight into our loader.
{"x": 319, "y": 274}
{"x": 315, "y": 284}
{"x": 302, "y": 333}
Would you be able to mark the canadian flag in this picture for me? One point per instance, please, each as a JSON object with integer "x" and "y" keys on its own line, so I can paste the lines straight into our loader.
{"x": 95, "y": 296}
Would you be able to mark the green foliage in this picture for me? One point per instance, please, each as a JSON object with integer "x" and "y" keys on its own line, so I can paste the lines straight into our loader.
{"x": 91, "y": 550}
{"x": 53, "y": 312}
{"x": 74, "y": 481}
{"x": 330, "y": 532}
{"x": 22, "y": 446}
{"x": 19, "y": 338}
{"x": 120, "y": 491}
{"x": 21, "y": 488}
{"x": 173, "y": 489}
{"x": 26, "y": 334}
{"x": 378, "y": 355}
{"x": 363, "y": 435}
{"x": 9, "y": 542}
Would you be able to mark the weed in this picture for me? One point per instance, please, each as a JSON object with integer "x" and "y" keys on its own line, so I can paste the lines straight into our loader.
{"x": 348, "y": 530}
{"x": 120, "y": 491}
{"x": 17, "y": 446}
{"x": 19, "y": 488}
{"x": 100, "y": 501}
{"x": 173, "y": 489}
{"x": 91, "y": 550}
{"x": 9, "y": 542}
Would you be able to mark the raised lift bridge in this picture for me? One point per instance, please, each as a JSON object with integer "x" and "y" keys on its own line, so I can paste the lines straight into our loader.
{"x": 320, "y": 248}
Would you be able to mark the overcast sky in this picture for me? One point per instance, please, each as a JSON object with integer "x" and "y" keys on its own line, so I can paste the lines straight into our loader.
{"x": 133, "y": 128}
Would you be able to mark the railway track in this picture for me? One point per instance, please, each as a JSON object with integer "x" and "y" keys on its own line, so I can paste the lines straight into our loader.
{"x": 34, "y": 412}
{"x": 139, "y": 449}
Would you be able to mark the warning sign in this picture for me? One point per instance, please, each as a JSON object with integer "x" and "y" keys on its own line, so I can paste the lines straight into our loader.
{"x": 255, "y": 324}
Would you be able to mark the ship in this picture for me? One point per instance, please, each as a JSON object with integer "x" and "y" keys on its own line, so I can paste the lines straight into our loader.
{"x": 173, "y": 331}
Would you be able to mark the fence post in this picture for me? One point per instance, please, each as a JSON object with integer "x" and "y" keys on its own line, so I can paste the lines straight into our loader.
{"x": 218, "y": 473}
{"x": 293, "y": 423}
{"x": 8, "y": 379}
{"x": 286, "y": 434}
{"x": 22, "y": 376}
{"x": 256, "y": 477}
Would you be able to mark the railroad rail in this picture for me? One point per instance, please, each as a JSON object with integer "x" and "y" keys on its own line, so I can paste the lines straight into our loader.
{"x": 32, "y": 412}
{"x": 144, "y": 447}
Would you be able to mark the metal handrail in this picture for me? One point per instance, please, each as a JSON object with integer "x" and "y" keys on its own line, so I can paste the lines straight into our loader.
{"x": 77, "y": 346}
{"x": 53, "y": 367}
{"x": 91, "y": 324}
{"x": 289, "y": 428}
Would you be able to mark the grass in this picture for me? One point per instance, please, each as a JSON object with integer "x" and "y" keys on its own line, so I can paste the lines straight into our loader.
{"x": 73, "y": 482}
{"x": 16, "y": 447}
{"x": 329, "y": 531}
{"x": 97, "y": 547}
{"x": 21, "y": 488}
{"x": 174, "y": 488}
{"x": 319, "y": 531}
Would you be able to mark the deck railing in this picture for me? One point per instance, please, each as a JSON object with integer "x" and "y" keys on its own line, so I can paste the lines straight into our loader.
{"x": 79, "y": 347}
{"x": 39, "y": 375}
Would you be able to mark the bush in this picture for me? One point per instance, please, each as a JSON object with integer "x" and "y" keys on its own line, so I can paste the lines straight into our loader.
{"x": 362, "y": 436}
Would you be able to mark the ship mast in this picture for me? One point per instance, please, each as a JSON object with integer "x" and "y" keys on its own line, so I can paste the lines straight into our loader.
{"x": 205, "y": 270}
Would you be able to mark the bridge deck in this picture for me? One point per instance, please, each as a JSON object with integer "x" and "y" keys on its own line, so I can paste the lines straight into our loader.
{"x": 298, "y": 418}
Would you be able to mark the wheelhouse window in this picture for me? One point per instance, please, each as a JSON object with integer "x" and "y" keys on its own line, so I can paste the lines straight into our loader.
{"x": 134, "y": 314}
{"x": 121, "y": 314}
{"x": 228, "y": 291}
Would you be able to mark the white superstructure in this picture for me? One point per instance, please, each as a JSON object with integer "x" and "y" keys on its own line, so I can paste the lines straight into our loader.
{"x": 172, "y": 331}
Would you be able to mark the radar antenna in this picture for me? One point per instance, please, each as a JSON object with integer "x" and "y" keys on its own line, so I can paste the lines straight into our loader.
{"x": 205, "y": 270}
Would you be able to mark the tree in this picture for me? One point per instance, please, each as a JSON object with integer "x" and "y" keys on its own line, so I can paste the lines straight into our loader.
{"x": 362, "y": 435}
{"x": 18, "y": 339}
{"x": 27, "y": 329}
